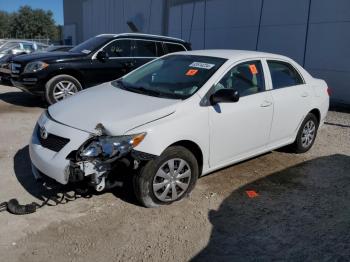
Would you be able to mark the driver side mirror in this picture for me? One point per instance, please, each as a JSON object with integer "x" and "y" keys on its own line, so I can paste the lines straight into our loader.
{"x": 224, "y": 96}
{"x": 102, "y": 56}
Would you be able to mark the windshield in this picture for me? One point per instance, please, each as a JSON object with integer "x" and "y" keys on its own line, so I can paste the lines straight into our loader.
{"x": 90, "y": 45}
{"x": 174, "y": 76}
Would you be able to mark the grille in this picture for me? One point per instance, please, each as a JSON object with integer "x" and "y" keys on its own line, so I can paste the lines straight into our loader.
{"x": 52, "y": 142}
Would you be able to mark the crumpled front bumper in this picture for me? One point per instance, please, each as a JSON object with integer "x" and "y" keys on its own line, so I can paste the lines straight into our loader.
{"x": 55, "y": 164}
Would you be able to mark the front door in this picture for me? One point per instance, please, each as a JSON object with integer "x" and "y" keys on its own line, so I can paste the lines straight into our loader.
{"x": 241, "y": 128}
{"x": 119, "y": 62}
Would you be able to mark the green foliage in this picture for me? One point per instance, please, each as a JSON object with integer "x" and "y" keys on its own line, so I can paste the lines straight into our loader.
{"x": 5, "y": 20}
{"x": 29, "y": 23}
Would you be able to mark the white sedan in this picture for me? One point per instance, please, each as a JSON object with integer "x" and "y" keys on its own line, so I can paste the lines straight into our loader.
{"x": 179, "y": 117}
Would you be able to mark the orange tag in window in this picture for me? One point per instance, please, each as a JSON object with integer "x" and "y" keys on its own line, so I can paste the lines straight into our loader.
{"x": 253, "y": 69}
{"x": 192, "y": 72}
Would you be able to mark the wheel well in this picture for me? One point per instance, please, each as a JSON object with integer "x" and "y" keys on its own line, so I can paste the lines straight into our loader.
{"x": 195, "y": 150}
{"x": 317, "y": 114}
{"x": 72, "y": 73}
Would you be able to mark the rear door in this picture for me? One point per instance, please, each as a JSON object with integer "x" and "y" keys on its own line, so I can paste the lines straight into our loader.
{"x": 145, "y": 51}
{"x": 291, "y": 98}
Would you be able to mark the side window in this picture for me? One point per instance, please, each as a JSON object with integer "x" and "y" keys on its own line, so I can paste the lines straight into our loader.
{"x": 172, "y": 48}
{"x": 247, "y": 78}
{"x": 119, "y": 48}
{"x": 28, "y": 47}
{"x": 283, "y": 75}
{"x": 145, "y": 49}
{"x": 160, "y": 49}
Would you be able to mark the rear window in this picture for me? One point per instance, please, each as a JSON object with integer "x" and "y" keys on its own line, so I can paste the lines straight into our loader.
{"x": 172, "y": 48}
{"x": 284, "y": 75}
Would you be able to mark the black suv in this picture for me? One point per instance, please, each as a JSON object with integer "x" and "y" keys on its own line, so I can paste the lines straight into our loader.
{"x": 99, "y": 59}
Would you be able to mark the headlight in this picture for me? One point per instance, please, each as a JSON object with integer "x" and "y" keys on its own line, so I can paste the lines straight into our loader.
{"x": 35, "y": 67}
{"x": 107, "y": 147}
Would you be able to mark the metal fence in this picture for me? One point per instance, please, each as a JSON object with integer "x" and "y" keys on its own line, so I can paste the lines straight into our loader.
{"x": 43, "y": 40}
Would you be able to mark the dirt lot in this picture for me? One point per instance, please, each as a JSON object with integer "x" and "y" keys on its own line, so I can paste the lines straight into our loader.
{"x": 301, "y": 211}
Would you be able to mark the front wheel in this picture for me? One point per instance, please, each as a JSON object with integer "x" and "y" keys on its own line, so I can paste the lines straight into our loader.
{"x": 61, "y": 87}
{"x": 166, "y": 179}
{"x": 306, "y": 135}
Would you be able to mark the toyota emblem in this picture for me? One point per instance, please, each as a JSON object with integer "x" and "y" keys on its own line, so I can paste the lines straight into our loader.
{"x": 43, "y": 133}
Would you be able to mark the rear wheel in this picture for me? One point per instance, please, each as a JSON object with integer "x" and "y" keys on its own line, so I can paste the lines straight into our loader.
{"x": 166, "y": 179}
{"x": 61, "y": 87}
{"x": 306, "y": 135}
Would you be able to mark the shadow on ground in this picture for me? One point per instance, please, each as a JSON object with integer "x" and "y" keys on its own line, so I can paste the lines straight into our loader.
{"x": 301, "y": 214}
{"x": 22, "y": 99}
{"x": 49, "y": 189}
{"x": 342, "y": 108}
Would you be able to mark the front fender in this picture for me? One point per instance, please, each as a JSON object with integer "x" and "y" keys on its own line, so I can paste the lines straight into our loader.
{"x": 177, "y": 127}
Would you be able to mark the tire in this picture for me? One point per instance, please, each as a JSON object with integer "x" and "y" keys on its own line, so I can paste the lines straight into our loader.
{"x": 66, "y": 84}
{"x": 306, "y": 137}
{"x": 154, "y": 178}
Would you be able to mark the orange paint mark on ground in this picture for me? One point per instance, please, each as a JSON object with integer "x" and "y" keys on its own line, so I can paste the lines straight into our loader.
{"x": 251, "y": 193}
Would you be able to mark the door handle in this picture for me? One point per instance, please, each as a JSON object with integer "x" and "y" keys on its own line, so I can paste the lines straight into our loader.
{"x": 305, "y": 94}
{"x": 266, "y": 103}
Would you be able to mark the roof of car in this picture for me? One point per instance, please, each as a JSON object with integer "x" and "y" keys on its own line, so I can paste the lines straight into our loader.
{"x": 231, "y": 54}
{"x": 144, "y": 36}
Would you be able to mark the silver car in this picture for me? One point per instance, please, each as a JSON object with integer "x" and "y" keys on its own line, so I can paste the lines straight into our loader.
{"x": 14, "y": 47}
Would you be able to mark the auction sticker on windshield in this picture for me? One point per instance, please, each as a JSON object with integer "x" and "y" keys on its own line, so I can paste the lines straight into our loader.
{"x": 192, "y": 72}
{"x": 202, "y": 65}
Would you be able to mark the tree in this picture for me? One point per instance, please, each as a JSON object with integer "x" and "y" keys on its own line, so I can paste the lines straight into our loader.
{"x": 33, "y": 23}
{"x": 5, "y": 21}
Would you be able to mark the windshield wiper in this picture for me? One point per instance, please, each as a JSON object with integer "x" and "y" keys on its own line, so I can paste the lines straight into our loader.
{"x": 148, "y": 91}
{"x": 139, "y": 90}
{"x": 142, "y": 90}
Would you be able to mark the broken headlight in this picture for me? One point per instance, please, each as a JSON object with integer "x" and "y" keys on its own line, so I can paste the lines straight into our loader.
{"x": 107, "y": 147}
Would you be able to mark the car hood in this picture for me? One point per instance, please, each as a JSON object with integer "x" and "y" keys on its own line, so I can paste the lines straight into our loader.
{"x": 117, "y": 110}
{"x": 48, "y": 56}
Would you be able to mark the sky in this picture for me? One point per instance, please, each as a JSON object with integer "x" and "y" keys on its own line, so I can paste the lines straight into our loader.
{"x": 56, "y": 6}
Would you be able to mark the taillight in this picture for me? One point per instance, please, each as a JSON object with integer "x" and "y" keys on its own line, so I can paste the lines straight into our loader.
{"x": 329, "y": 91}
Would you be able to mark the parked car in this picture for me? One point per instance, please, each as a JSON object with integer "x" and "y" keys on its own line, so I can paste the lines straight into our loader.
{"x": 177, "y": 118}
{"x": 15, "y": 47}
{"x": 11, "y": 48}
{"x": 5, "y": 70}
{"x": 103, "y": 58}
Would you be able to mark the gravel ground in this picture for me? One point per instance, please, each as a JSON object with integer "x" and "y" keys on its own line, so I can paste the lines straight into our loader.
{"x": 300, "y": 213}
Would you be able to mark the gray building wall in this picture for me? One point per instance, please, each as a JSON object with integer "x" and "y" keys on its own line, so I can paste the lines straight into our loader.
{"x": 316, "y": 33}
{"x": 73, "y": 21}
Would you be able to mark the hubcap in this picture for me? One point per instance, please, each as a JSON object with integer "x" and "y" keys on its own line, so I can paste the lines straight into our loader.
{"x": 308, "y": 135}
{"x": 172, "y": 180}
{"x": 64, "y": 89}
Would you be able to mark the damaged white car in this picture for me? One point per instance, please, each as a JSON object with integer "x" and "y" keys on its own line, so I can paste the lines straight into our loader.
{"x": 177, "y": 118}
